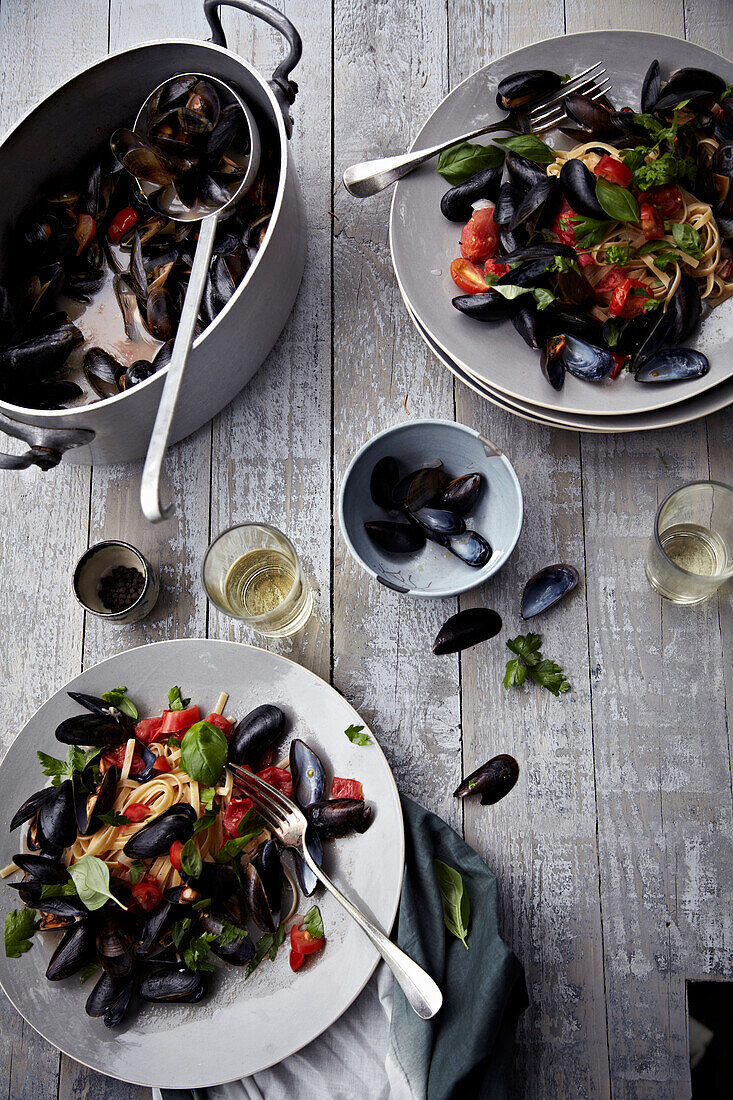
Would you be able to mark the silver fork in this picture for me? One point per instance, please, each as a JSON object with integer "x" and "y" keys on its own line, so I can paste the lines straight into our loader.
{"x": 370, "y": 176}
{"x": 289, "y": 823}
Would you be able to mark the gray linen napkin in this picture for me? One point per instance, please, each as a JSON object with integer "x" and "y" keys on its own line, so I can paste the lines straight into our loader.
{"x": 379, "y": 1049}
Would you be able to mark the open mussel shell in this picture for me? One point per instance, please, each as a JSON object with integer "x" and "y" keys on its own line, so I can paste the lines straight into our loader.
{"x": 60, "y": 912}
{"x": 155, "y": 838}
{"x": 76, "y": 949}
{"x": 239, "y": 951}
{"x": 485, "y": 306}
{"x": 673, "y": 365}
{"x": 383, "y": 482}
{"x": 41, "y": 869}
{"x": 138, "y": 157}
{"x": 115, "y": 946}
{"x": 308, "y": 774}
{"x": 110, "y": 998}
{"x": 457, "y": 204}
{"x": 257, "y": 901}
{"x": 56, "y": 821}
{"x": 660, "y": 333}
{"x": 268, "y": 865}
{"x": 471, "y": 547}
{"x": 461, "y": 494}
{"x": 166, "y": 985}
{"x": 686, "y": 305}
{"x": 306, "y": 878}
{"x": 558, "y": 322}
{"x": 530, "y": 326}
{"x": 552, "y": 364}
{"x": 438, "y": 523}
{"x": 254, "y": 733}
{"x": 651, "y": 87}
{"x": 492, "y": 780}
{"x": 546, "y": 588}
{"x": 579, "y": 187}
{"x": 31, "y": 806}
{"x": 583, "y": 360}
{"x": 336, "y": 817}
{"x": 467, "y": 628}
{"x": 395, "y": 538}
{"x": 524, "y": 173}
{"x": 96, "y": 730}
{"x": 545, "y": 193}
{"x": 419, "y": 487}
{"x": 154, "y": 936}
{"x": 216, "y": 881}
{"x": 90, "y": 799}
{"x": 592, "y": 116}
{"x": 524, "y": 88}
{"x": 689, "y": 83}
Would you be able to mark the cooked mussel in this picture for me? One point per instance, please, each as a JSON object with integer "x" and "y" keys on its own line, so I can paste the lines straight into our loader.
{"x": 76, "y": 949}
{"x": 471, "y": 547}
{"x": 395, "y": 538}
{"x": 98, "y": 730}
{"x": 336, "y": 817}
{"x": 115, "y": 946}
{"x": 167, "y": 985}
{"x": 383, "y": 482}
{"x": 651, "y": 87}
{"x": 216, "y": 881}
{"x": 156, "y": 837}
{"x": 492, "y": 780}
{"x": 579, "y": 187}
{"x": 486, "y": 306}
{"x": 257, "y": 901}
{"x": 457, "y": 204}
{"x": 529, "y": 324}
{"x": 306, "y": 878}
{"x": 254, "y": 733}
{"x": 308, "y": 774}
{"x": 91, "y": 799}
{"x": 540, "y": 203}
{"x": 558, "y": 322}
{"x": 592, "y": 116}
{"x": 465, "y": 629}
{"x": 673, "y": 365}
{"x": 60, "y": 912}
{"x": 155, "y": 935}
{"x": 461, "y": 494}
{"x": 237, "y": 951}
{"x": 56, "y": 820}
{"x": 31, "y": 806}
{"x": 42, "y": 869}
{"x": 689, "y": 83}
{"x": 110, "y": 998}
{"x": 686, "y": 305}
{"x": 551, "y": 361}
{"x": 546, "y": 588}
{"x": 268, "y": 865}
{"x": 439, "y": 523}
{"x": 521, "y": 89}
{"x": 420, "y": 487}
{"x": 524, "y": 173}
{"x": 583, "y": 360}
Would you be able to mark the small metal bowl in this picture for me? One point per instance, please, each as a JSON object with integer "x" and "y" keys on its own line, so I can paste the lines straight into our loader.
{"x": 433, "y": 572}
{"x": 96, "y": 563}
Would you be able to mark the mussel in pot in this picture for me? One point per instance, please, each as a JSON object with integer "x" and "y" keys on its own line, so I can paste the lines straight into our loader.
{"x": 383, "y": 483}
{"x": 395, "y": 538}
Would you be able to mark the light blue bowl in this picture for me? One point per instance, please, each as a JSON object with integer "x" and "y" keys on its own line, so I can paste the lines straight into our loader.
{"x": 433, "y": 572}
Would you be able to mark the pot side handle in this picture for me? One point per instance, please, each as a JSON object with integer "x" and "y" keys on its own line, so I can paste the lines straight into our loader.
{"x": 46, "y": 445}
{"x": 284, "y": 88}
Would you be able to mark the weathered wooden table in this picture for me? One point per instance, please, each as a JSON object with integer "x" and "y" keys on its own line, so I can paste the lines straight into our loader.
{"x": 614, "y": 852}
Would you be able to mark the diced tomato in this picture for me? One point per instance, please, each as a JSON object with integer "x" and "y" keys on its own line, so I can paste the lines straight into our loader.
{"x": 177, "y": 721}
{"x": 585, "y": 258}
{"x": 136, "y": 811}
{"x": 611, "y": 279}
{"x": 652, "y": 223}
{"x": 221, "y": 723}
{"x": 479, "y": 236}
{"x": 303, "y": 943}
{"x": 147, "y": 893}
{"x": 296, "y": 961}
{"x": 346, "y": 788}
{"x": 563, "y": 226}
{"x": 495, "y": 267}
{"x": 234, "y": 813}
{"x": 123, "y": 220}
{"x": 619, "y": 362}
{"x": 161, "y": 765}
{"x": 666, "y": 197}
{"x": 174, "y": 855}
{"x": 468, "y": 277}
{"x": 279, "y": 778}
{"x": 115, "y": 758}
{"x": 84, "y": 232}
{"x": 624, "y": 303}
{"x": 615, "y": 171}
{"x": 149, "y": 729}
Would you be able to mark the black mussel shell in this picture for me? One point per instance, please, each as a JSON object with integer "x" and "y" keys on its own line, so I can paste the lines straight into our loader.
{"x": 76, "y": 949}
{"x": 216, "y": 881}
{"x": 627, "y": 336}
{"x": 457, "y": 204}
{"x": 42, "y": 869}
{"x": 137, "y": 372}
{"x": 31, "y": 806}
{"x": 422, "y": 487}
{"x": 439, "y": 522}
{"x": 154, "y": 936}
{"x": 467, "y": 628}
{"x": 521, "y": 89}
{"x": 182, "y": 897}
{"x": 110, "y": 998}
{"x": 650, "y": 88}
{"x": 591, "y": 115}
{"x": 60, "y": 913}
{"x": 269, "y": 868}
{"x": 336, "y": 817}
{"x": 254, "y": 733}
{"x": 661, "y": 332}
{"x": 524, "y": 173}
{"x": 167, "y": 985}
{"x": 557, "y": 322}
{"x": 531, "y": 205}
{"x": 507, "y": 201}
{"x": 688, "y": 83}
{"x": 461, "y": 494}
{"x": 511, "y": 241}
{"x": 306, "y": 879}
{"x": 492, "y": 780}
{"x": 585, "y": 361}
{"x": 395, "y": 538}
{"x": 527, "y": 273}
{"x": 551, "y": 361}
{"x": 115, "y": 946}
{"x": 673, "y": 365}
{"x": 96, "y": 730}
{"x": 163, "y": 355}
{"x": 383, "y": 482}
{"x": 528, "y": 323}
{"x": 471, "y": 547}
{"x": 156, "y": 837}
{"x": 239, "y": 951}
{"x": 546, "y": 588}
{"x": 486, "y": 306}
{"x": 539, "y": 252}
{"x": 579, "y": 187}
{"x": 91, "y": 801}
{"x": 573, "y": 289}
{"x": 93, "y": 703}
{"x": 258, "y": 905}
{"x": 56, "y": 822}
{"x": 686, "y": 306}
{"x": 308, "y": 774}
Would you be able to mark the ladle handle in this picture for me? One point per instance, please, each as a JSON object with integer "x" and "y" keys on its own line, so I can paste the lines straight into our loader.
{"x": 284, "y": 88}
{"x": 151, "y": 500}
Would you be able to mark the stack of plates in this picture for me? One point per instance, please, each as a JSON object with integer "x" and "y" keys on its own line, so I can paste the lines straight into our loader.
{"x": 492, "y": 358}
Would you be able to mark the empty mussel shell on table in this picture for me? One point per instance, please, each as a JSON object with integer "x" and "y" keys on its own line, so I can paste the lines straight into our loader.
{"x": 254, "y": 733}
{"x": 395, "y": 538}
{"x": 547, "y": 587}
{"x": 467, "y": 628}
{"x": 492, "y": 780}
{"x": 335, "y": 817}
{"x": 673, "y": 365}
{"x": 156, "y": 837}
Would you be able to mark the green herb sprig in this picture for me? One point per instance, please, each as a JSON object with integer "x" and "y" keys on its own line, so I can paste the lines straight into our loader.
{"x": 530, "y": 662}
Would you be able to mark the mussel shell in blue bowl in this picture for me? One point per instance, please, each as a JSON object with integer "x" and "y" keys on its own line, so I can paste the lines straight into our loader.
{"x": 432, "y": 572}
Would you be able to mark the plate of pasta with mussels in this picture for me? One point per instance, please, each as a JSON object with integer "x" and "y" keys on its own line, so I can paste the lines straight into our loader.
{"x": 154, "y": 929}
{"x": 587, "y": 268}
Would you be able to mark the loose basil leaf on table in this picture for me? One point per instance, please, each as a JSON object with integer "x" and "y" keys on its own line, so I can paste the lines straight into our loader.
{"x": 204, "y": 753}
{"x": 528, "y": 146}
{"x": 455, "y": 900}
{"x": 90, "y": 875}
{"x": 617, "y": 201}
{"x": 458, "y": 163}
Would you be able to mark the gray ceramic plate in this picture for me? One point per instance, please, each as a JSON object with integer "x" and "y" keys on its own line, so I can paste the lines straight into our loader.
{"x": 705, "y": 405}
{"x": 423, "y": 242}
{"x": 241, "y": 1027}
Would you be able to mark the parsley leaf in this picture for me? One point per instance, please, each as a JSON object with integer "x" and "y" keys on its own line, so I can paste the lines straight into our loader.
{"x": 207, "y": 795}
{"x": 89, "y": 971}
{"x": 589, "y": 232}
{"x": 176, "y": 700}
{"x": 530, "y": 662}
{"x": 76, "y": 760}
{"x": 562, "y": 264}
{"x": 173, "y": 742}
{"x": 266, "y": 948}
{"x": 356, "y": 737}
{"x": 549, "y": 675}
{"x": 19, "y": 928}
{"x": 230, "y": 933}
{"x": 667, "y": 168}
{"x": 179, "y": 930}
{"x": 613, "y": 331}
{"x": 196, "y": 955}
{"x": 112, "y": 817}
{"x": 117, "y": 697}
{"x": 618, "y": 254}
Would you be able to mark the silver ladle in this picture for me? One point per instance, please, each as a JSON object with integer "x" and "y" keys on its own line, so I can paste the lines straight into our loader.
{"x": 167, "y": 203}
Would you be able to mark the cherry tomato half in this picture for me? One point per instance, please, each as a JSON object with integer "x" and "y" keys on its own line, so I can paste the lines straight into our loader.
{"x": 147, "y": 893}
{"x": 296, "y": 961}
{"x": 619, "y": 362}
{"x": 136, "y": 811}
{"x": 652, "y": 222}
{"x": 467, "y": 276}
{"x": 149, "y": 729}
{"x": 279, "y": 778}
{"x": 615, "y": 171}
{"x": 666, "y": 197}
{"x": 479, "y": 236}
{"x": 346, "y": 788}
{"x": 234, "y": 813}
{"x": 123, "y": 220}
{"x": 174, "y": 855}
{"x": 625, "y": 303}
{"x": 494, "y": 267}
{"x": 178, "y": 721}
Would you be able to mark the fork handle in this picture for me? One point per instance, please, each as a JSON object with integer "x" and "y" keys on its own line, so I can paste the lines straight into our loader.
{"x": 371, "y": 176}
{"x": 419, "y": 988}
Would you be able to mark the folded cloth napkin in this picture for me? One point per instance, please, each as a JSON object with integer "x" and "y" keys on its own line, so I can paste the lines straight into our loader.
{"x": 379, "y": 1049}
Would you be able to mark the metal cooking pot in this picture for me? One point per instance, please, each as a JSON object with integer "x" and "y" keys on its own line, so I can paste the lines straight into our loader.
{"x": 54, "y": 137}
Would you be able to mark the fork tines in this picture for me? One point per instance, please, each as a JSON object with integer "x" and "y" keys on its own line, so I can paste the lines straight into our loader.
{"x": 593, "y": 83}
{"x": 271, "y": 803}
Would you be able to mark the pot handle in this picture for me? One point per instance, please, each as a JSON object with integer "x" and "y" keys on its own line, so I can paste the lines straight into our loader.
{"x": 46, "y": 445}
{"x": 285, "y": 89}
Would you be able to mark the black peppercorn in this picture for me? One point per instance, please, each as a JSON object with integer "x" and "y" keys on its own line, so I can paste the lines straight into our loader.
{"x": 120, "y": 588}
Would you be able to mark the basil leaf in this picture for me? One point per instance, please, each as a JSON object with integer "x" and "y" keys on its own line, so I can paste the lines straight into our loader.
{"x": 687, "y": 239}
{"x": 90, "y": 875}
{"x": 589, "y": 232}
{"x": 191, "y": 861}
{"x": 137, "y": 870}
{"x": 454, "y": 899}
{"x": 613, "y": 332}
{"x": 19, "y": 928}
{"x": 313, "y": 923}
{"x": 118, "y": 698}
{"x": 204, "y": 821}
{"x": 204, "y": 753}
{"x": 65, "y": 890}
{"x": 617, "y": 201}
{"x": 173, "y": 742}
{"x": 634, "y": 158}
{"x": 207, "y": 795}
{"x": 458, "y": 163}
{"x": 234, "y": 847}
{"x": 112, "y": 817}
{"x": 176, "y": 700}
{"x": 529, "y": 146}
{"x": 356, "y": 737}
{"x": 266, "y": 948}
{"x": 179, "y": 930}
{"x": 542, "y": 297}
{"x": 250, "y": 823}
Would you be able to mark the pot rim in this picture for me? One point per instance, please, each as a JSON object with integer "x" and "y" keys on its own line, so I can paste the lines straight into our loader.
{"x": 49, "y": 416}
